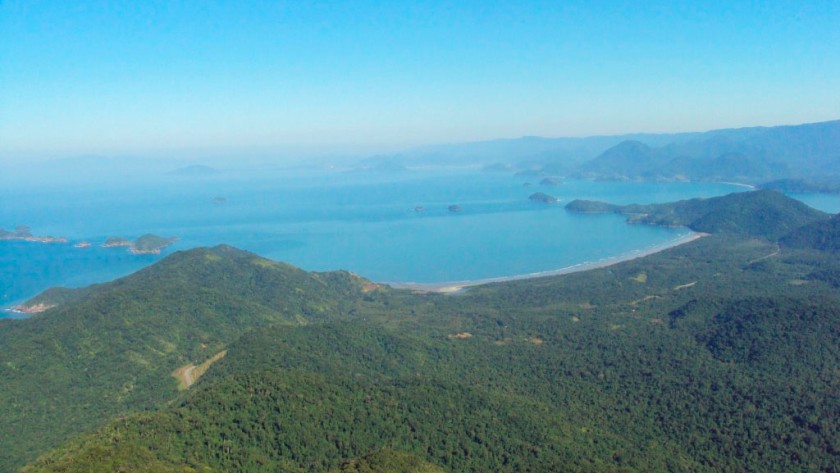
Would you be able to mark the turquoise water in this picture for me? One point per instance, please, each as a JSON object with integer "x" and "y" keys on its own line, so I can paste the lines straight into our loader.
{"x": 321, "y": 221}
{"x": 826, "y": 202}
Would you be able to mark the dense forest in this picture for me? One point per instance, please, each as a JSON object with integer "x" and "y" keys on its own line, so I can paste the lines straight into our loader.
{"x": 719, "y": 355}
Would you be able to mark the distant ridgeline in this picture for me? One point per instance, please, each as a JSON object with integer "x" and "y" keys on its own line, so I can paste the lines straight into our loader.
{"x": 750, "y": 155}
{"x": 718, "y": 355}
{"x": 830, "y": 185}
{"x": 800, "y": 155}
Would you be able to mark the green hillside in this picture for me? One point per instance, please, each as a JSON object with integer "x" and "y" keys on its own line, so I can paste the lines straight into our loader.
{"x": 718, "y": 355}
{"x": 821, "y": 235}
{"x": 111, "y": 349}
{"x": 761, "y": 213}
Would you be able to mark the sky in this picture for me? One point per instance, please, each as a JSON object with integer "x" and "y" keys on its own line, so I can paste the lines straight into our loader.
{"x": 303, "y": 77}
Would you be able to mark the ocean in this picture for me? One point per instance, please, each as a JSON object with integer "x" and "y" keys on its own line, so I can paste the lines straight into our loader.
{"x": 369, "y": 223}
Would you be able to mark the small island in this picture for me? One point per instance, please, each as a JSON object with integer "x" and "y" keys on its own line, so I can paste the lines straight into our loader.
{"x": 455, "y": 208}
{"x": 544, "y": 198}
{"x": 147, "y": 244}
{"x": 82, "y": 244}
{"x": 419, "y": 208}
{"x": 219, "y": 200}
{"x": 23, "y": 233}
{"x": 115, "y": 242}
{"x": 551, "y": 182}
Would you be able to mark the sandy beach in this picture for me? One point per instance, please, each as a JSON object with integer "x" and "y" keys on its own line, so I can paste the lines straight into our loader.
{"x": 452, "y": 287}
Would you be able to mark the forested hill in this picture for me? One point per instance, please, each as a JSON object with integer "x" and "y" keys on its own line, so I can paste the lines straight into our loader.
{"x": 110, "y": 349}
{"x": 761, "y": 213}
{"x": 718, "y": 355}
{"x": 821, "y": 235}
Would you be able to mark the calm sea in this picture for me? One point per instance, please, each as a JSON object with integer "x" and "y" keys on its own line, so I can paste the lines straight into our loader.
{"x": 318, "y": 220}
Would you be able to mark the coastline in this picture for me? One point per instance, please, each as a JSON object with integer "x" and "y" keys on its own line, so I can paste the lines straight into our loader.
{"x": 454, "y": 287}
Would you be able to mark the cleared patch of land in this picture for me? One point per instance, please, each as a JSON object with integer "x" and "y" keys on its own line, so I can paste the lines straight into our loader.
{"x": 188, "y": 374}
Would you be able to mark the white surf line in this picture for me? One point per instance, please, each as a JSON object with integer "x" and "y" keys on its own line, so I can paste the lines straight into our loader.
{"x": 456, "y": 286}
{"x": 739, "y": 184}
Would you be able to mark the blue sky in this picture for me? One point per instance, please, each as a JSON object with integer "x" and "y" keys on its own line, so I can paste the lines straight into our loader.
{"x": 150, "y": 78}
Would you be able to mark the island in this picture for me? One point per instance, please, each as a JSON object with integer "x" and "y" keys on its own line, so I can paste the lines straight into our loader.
{"x": 115, "y": 242}
{"x": 147, "y": 244}
{"x": 544, "y": 198}
{"x": 23, "y": 233}
{"x": 419, "y": 208}
{"x": 82, "y": 244}
{"x": 455, "y": 208}
{"x": 219, "y": 200}
{"x": 551, "y": 182}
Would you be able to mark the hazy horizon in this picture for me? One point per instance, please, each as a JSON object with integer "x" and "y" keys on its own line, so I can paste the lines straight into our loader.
{"x": 250, "y": 156}
{"x": 358, "y": 78}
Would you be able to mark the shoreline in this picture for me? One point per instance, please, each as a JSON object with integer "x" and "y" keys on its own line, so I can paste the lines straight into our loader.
{"x": 739, "y": 184}
{"x": 454, "y": 287}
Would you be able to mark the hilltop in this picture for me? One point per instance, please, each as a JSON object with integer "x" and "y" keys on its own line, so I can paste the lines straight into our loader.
{"x": 114, "y": 345}
{"x": 761, "y": 213}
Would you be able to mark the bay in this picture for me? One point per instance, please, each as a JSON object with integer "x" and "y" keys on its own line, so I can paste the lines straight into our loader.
{"x": 367, "y": 223}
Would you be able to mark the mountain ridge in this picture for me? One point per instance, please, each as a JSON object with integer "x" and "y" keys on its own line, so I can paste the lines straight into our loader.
{"x": 751, "y": 154}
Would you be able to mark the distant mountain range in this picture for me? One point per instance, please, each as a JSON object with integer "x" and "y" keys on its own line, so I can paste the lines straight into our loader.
{"x": 788, "y": 158}
{"x": 751, "y": 155}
